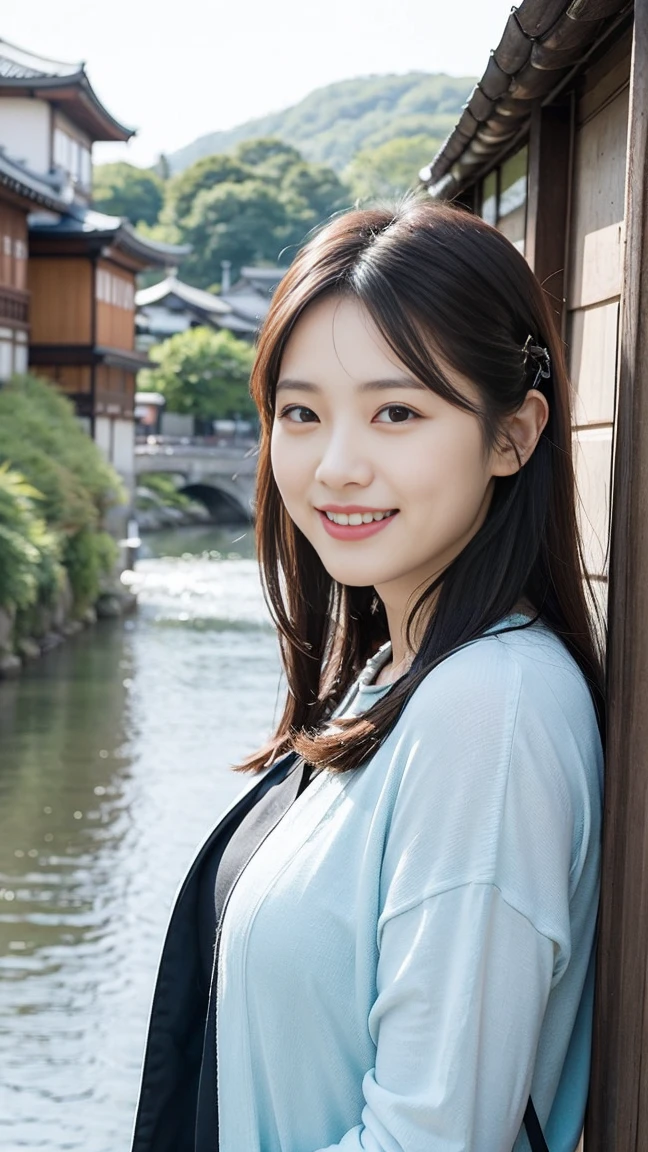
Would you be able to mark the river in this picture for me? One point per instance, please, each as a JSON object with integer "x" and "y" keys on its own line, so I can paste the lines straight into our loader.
{"x": 115, "y": 754}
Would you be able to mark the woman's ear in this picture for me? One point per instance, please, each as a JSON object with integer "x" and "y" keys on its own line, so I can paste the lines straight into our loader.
{"x": 522, "y": 431}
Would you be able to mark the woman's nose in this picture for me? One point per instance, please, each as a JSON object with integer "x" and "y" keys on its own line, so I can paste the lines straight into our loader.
{"x": 344, "y": 462}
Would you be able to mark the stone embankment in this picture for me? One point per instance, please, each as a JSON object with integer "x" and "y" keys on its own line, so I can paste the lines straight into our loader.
{"x": 51, "y": 626}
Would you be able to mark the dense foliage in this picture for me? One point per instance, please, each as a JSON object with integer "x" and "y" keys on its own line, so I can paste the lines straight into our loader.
{"x": 123, "y": 190}
{"x": 253, "y": 195}
{"x": 202, "y": 373}
{"x": 333, "y": 124}
{"x": 390, "y": 170}
{"x": 55, "y": 488}
{"x": 253, "y": 207}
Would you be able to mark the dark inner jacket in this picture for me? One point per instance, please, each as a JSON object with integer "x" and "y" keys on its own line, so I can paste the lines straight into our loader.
{"x": 165, "y": 1119}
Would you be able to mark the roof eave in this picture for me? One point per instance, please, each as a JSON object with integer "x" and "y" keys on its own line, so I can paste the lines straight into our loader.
{"x": 96, "y": 118}
{"x": 542, "y": 46}
{"x": 155, "y": 253}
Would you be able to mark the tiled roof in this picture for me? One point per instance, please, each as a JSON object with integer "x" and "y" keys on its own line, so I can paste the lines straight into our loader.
{"x": 543, "y": 42}
{"x": 68, "y": 84}
{"x": 17, "y": 64}
{"x": 195, "y": 297}
{"x": 264, "y": 279}
{"x": 79, "y": 221}
{"x": 37, "y": 190}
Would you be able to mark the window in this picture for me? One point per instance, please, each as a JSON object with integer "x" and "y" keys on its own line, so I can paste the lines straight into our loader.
{"x": 73, "y": 156}
{"x": 115, "y": 290}
{"x": 504, "y": 198}
{"x": 14, "y": 352}
{"x": 86, "y": 167}
{"x": 21, "y": 358}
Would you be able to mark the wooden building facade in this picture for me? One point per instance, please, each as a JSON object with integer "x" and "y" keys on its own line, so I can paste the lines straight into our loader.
{"x": 16, "y": 201}
{"x": 67, "y": 273}
{"x": 551, "y": 149}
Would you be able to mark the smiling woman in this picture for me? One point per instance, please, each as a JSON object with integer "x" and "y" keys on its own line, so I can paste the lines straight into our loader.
{"x": 388, "y": 942}
{"x": 350, "y": 422}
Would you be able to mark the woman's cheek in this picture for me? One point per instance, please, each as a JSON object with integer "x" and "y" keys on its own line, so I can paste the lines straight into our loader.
{"x": 288, "y": 471}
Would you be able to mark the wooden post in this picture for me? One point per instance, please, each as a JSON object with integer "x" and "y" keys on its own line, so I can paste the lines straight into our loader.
{"x": 617, "y": 1118}
{"x": 548, "y": 199}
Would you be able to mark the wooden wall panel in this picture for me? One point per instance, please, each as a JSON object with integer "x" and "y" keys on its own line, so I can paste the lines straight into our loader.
{"x": 617, "y": 1119}
{"x": 70, "y": 378}
{"x": 115, "y": 292}
{"x": 598, "y": 205}
{"x": 594, "y": 281}
{"x": 593, "y": 464}
{"x": 61, "y": 303}
{"x": 592, "y": 337}
{"x": 13, "y": 247}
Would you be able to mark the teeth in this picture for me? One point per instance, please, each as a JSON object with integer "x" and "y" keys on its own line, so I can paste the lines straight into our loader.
{"x": 355, "y": 518}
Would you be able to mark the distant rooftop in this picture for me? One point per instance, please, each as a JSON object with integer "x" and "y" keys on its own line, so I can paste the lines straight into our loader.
{"x": 65, "y": 83}
{"x": 18, "y": 64}
{"x": 84, "y": 222}
{"x": 41, "y": 191}
{"x": 264, "y": 279}
{"x": 195, "y": 297}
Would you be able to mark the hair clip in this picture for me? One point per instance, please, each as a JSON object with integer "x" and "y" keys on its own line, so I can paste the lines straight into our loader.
{"x": 541, "y": 356}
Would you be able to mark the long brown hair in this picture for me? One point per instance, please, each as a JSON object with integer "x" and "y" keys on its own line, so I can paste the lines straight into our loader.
{"x": 432, "y": 277}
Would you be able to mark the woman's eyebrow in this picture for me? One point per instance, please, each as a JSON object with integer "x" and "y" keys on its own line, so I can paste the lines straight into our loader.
{"x": 368, "y": 385}
{"x": 299, "y": 385}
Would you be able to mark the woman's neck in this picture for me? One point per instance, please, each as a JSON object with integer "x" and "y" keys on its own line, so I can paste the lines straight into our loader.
{"x": 402, "y": 654}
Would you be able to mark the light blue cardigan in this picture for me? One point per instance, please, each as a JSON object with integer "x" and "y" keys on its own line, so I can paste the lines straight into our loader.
{"x": 410, "y": 951}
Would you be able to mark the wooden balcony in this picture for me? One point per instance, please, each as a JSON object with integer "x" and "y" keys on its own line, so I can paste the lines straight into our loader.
{"x": 14, "y": 307}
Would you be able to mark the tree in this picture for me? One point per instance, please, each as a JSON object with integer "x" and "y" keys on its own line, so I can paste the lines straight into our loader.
{"x": 390, "y": 170}
{"x": 244, "y": 223}
{"x": 256, "y": 206}
{"x": 267, "y": 153}
{"x": 201, "y": 177}
{"x": 202, "y": 373}
{"x": 120, "y": 189}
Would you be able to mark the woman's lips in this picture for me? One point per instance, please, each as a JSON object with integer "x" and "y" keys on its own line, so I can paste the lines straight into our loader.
{"x": 354, "y": 531}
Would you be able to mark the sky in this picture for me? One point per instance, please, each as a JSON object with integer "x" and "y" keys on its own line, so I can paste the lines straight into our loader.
{"x": 177, "y": 69}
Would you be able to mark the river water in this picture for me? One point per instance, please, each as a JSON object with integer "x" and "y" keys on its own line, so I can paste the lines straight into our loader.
{"x": 115, "y": 754}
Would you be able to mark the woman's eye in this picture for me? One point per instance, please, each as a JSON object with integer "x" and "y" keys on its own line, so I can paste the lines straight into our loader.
{"x": 395, "y": 414}
{"x": 298, "y": 414}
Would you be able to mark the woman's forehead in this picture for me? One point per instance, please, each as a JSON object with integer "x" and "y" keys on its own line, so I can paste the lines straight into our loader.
{"x": 336, "y": 338}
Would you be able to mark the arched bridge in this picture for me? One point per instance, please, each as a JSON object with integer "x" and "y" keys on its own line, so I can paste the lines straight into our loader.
{"x": 220, "y": 476}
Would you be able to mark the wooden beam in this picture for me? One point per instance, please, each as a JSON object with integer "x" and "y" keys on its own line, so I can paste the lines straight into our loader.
{"x": 548, "y": 199}
{"x": 617, "y": 1117}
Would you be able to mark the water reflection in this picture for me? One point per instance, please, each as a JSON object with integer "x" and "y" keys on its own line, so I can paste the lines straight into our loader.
{"x": 115, "y": 753}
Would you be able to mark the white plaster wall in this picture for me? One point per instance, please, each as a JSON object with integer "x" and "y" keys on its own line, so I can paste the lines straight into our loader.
{"x": 25, "y": 131}
{"x": 175, "y": 424}
{"x": 102, "y": 435}
{"x": 124, "y": 450}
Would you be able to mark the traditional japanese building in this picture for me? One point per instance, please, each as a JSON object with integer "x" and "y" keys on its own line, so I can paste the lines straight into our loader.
{"x": 173, "y": 306}
{"x": 552, "y": 148}
{"x": 20, "y": 193}
{"x": 67, "y": 273}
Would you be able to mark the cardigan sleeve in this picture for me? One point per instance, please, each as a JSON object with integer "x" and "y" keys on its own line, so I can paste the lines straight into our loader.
{"x": 463, "y": 981}
{"x": 475, "y": 925}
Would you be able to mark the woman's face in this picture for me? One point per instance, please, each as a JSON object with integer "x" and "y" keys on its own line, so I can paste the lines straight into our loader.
{"x": 387, "y": 480}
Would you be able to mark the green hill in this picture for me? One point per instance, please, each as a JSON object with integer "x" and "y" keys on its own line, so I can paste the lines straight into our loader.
{"x": 331, "y": 125}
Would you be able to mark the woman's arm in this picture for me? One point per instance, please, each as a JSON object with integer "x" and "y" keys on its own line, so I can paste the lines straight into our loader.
{"x": 462, "y": 986}
{"x": 486, "y": 838}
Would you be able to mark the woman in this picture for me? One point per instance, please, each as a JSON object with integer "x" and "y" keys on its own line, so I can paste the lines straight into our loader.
{"x": 387, "y": 943}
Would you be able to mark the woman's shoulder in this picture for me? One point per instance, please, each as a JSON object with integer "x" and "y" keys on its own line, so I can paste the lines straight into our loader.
{"x": 510, "y": 668}
{"x": 497, "y": 774}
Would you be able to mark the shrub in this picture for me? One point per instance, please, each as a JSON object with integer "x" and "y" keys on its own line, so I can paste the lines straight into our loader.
{"x": 87, "y": 556}
{"x": 55, "y": 488}
{"x": 30, "y": 565}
